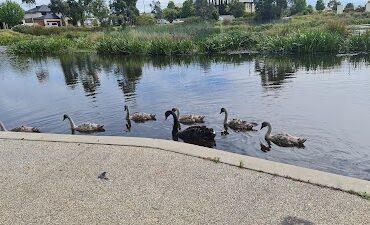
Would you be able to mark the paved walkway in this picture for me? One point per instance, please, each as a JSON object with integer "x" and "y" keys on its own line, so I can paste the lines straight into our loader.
{"x": 57, "y": 183}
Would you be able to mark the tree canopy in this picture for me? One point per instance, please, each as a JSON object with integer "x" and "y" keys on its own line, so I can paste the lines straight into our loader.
{"x": 11, "y": 13}
{"x": 320, "y": 5}
{"x": 187, "y": 9}
{"x": 236, "y": 8}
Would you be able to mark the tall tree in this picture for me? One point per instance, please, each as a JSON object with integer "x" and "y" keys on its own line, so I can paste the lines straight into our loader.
{"x": 100, "y": 10}
{"x": 11, "y": 13}
{"x": 156, "y": 9}
{"x": 59, "y": 7}
{"x": 333, "y": 4}
{"x": 281, "y": 5}
{"x": 320, "y": 5}
{"x": 170, "y": 14}
{"x": 236, "y": 8}
{"x": 205, "y": 10}
{"x": 125, "y": 10}
{"x": 349, "y": 7}
{"x": 266, "y": 10}
{"x": 298, "y": 6}
{"x": 29, "y": 2}
{"x": 187, "y": 9}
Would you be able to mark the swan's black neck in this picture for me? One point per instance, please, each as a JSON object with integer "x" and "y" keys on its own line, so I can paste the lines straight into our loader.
{"x": 175, "y": 128}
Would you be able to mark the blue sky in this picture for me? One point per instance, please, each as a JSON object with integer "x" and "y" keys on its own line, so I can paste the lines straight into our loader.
{"x": 142, "y": 3}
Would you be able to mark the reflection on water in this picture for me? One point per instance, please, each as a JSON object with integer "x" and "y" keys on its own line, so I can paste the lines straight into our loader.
{"x": 322, "y": 98}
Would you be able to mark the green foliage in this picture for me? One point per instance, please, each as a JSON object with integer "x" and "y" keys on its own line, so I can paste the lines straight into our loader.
{"x": 30, "y": 2}
{"x": 305, "y": 42}
{"x": 38, "y": 30}
{"x": 145, "y": 20}
{"x": 365, "y": 195}
{"x": 8, "y": 37}
{"x": 360, "y": 42}
{"x": 236, "y": 8}
{"x": 192, "y": 19}
{"x": 228, "y": 41}
{"x": 170, "y": 14}
{"x": 320, "y": 5}
{"x": 11, "y": 13}
{"x": 171, "y": 5}
{"x": 333, "y": 4}
{"x": 187, "y": 9}
{"x": 298, "y": 6}
{"x": 337, "y": 27}
{"x": 99, "y": 9}
{"x": 349, "y": 7}
{"x": 125, "y": 11}
{"x": 205, "y": 10}
{"x": 42, "y": 46}
{"x": 156, "y": 9}
{"x": 267, "y": 10}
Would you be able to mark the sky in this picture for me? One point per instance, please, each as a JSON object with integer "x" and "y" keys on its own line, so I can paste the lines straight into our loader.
{"x": 144, "y": 4}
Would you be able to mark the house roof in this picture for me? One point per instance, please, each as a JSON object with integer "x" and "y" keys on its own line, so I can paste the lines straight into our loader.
{"x": 40, "y": 8}
{"x": 48, "y": 16}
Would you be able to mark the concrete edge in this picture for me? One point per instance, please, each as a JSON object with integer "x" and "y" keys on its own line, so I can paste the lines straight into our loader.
{"x": 334, "y": 181}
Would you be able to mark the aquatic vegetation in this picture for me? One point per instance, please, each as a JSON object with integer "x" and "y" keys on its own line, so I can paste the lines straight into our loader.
{"x": 360, "y": 42}
{"x": 49, "y": 45}
{"x": 304, "y": 42}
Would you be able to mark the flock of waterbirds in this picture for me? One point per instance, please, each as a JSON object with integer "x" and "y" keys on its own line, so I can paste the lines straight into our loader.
{"x": 195, "y": 134}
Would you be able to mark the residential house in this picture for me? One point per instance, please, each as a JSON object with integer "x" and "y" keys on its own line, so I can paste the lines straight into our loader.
{"x": 42, "y": 16}
{"x": 248, "y": 4}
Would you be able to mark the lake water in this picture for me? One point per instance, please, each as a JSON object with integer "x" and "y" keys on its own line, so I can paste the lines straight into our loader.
{"x": 325, "y": 99}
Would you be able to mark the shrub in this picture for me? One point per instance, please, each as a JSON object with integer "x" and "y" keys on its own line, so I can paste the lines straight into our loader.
{"x": 39, "y": 30}
{"x": 145, "y": 20}
{"x": 360, "y": 42}
{"x": 42, "y": 46}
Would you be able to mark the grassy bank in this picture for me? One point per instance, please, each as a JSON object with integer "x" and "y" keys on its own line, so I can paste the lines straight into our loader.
{"x": 323, "y": 32}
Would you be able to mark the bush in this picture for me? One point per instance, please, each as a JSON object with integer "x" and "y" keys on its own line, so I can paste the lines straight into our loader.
{"x": 145, "y": 20}
{"x": 41, "y": 46}
{"x": 39, "y": 30}
{"x": 360, "y": 42}
{"x": 9, "y": 37}
{"x": 337, "y": 26}
{"x": 304, "y": 42}
{"x": 193, "y": 19}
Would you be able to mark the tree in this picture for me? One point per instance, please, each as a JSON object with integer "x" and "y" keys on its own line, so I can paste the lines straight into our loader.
{"x": 75, "y": 11}
{"x": 156, "y": 9}
{"x": 171, "y": 5}
{"x": 60, "y": 7}
{"x": 298, "y": 6}
{"x": 281, "y": 5}
{"x": 266, "y": 10}
{"x": 125, "y": 10}
{"x": 320, "y": 5}
{"x": 333, "y": 4}
{"x": 145, "y": 20}
{"x": 100, "y": 10}
{"x": 236, "y": 8}
{"x": 349, "y": 7}
{"x": 205, "y": 10}
{"x": 29, "y": 2}
{"x": 11, "y": 13}
{"x": 187, "y": 9}
{"x": 170, "y": 14}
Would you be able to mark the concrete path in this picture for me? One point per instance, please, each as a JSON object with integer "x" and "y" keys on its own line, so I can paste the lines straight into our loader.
{"x": 52, "y": 182}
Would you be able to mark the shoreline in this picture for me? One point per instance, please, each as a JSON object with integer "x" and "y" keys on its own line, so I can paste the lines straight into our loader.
{"x": 296, "y": 173}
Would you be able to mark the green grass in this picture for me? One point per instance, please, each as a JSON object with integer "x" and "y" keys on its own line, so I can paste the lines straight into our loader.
{"x": 365, "y": 195}
{"x": 241, "y": 164}
{"x": 215, "y": 159}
